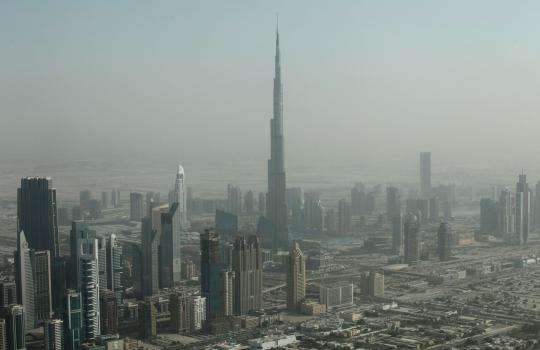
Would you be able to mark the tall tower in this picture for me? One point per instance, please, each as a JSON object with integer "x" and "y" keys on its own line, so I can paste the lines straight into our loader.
{"x": 247, "y": 267}
{"x": 178, "y": 195}
{"x": 425, "y": 174}
{"x": 24, "y": 278}
{"x": 523, "y": 209}
{"x": 277, "y": 206}
{"x": 443, "y": 247}
{"x": 411, "y": 241}
{"x": 296, "y": 278}
{"x": 36, "y": 214}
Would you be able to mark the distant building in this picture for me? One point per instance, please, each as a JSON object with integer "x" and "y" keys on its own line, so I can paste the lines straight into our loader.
{"x": 178, "y": 195}
{"x": 425, "y": 174}
{"x": 523, "y": 210}
{"x": 488, "y": 216}
{"x": 505, "y": 215}
{"x": 226, "y": 224}
{"x": 136, "y": 208}
{"x": 24, "y": 277}
{"x": 53, "y": 334}
{"x": 397, "y": 235}
{"x": 411, "y": 239}
{"x": 105, "y": 200}
{"x": 249, "y": 203}
{"x": 197, "y": 313}
{"x": 296, "y": 278}
{"x": 150, "y": 237}
{"x": 15, "y": 327}
{"x": 247, "y": 267}
{"x": 337, "y": 294}
{"x": 393, "y": 203}
{"x": 443, "y": 246}
{"x": 344, "y": 217}
{"x": 37, "y": 214}
{"x": 170, "y": 258}
{"x": 372, "y": 284}
{"x": 84, "y": 199}
{"x": 234, "y": 199}
{"x": 108, "y": 308}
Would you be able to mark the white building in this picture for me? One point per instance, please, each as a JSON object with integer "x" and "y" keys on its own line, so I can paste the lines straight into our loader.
{"x": 336, "y": 295}
{"x": 272, "y": 342}
{"x": 198, "y": 312}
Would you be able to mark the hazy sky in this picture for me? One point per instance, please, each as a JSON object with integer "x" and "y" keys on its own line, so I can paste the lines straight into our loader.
{"x": 193, "y": 79}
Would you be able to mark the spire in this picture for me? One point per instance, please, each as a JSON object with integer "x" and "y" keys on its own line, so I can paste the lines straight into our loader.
{"x": 277, "y": 42}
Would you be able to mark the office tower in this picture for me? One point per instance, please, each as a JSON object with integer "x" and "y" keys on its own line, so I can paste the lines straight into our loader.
{"x": 443, "y": 246}
{"x": 247, "y": 267}
{"x": 226, "y": 249}
{"x": 393, "y": 202}
{"x": 147, "y": 319}
{"x": 169, "y": 250}
{"x": 64, "y": 217}
{"x": 505, "y": 213}
{"x": 85, "y": 276}
{"x": 249, "y": 203}
{"x": 423, "y": 210}
{"x": 411, "y": 239}
{"x": 152, "y": 201}
{"x": 488, "y": 215}
{"x": 114, "y": 267}
{"x": 226, "y": 224}
{"x": 344, "y": 217}
{"x": 358, "y": 199}
{"x": 277, "y": 206}
{"x": 337, "y": 294}
{"x": 136, "y": 210}
{"x": 8, "y": 294}
{"x": 261, "y": 203}
{"x": 188, "y": 269}
{"x": 425, "y": 174}
{"x": 73, "y": 320}
{"x": 234, "y": 199}
{"x": 197, "y": 312}
{"x": 313, "y": 213}
{"x": 210, "y": 273}
{"x": 179, "y": 306}
{"x": 150, "y": 237}
{"x": 102, "y": 262}
{"x": 41, "y": 269}
{"x": 3, "y": 334}
{"x": 59, "y": 275}
{"x": 523, "y": 207}
{"x": 434, "y": 208}
{"x": 36, "y": 214}
{"x": 53, "y": 334}
{"x": 372, "y": 284}
{"x": 15, "y": 327}
{"x": 295, "y": 205}
{"x": 84, "y": 199}
{"x": 226, "y": 293}
{"x": 104, "y": 200}
{"x": 24, "y": 278}
{"x": 108, "y": 311}
{"x": 296, "y": 278}
{"x": 94, "y": 209}
{"x": 115, "y": 198}
{"x": 331, "y": 222}
{"x": 397, "y": 235}
{"x": 178, "y": 195}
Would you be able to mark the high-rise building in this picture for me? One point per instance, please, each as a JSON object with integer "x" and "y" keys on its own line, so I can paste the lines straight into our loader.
{"x": 425, "y": 174}
{"x": 152, "y": 201}
{"x": 443, "y": 246}
{"x": 277, "y": 206}
{"x": 333, "y": 295}
{"x": 150, "y": 237}
{"x": 372, "y": 284}
{"x": 53, "y": 334}
{"x": 434, "y": 208}
{"x": 397, "y": 235}
{"x": 41, "y": 269}
{"x": 411, "y": 239}
{"x": 234, "y": 199}
{"x": 147, "y": 319}
{"x": 114, "y": 267}
{"x": 296, "y": 278}
{"x": 247, "y": 267}
{"x": 226, "y": 292}
{"x": 169, "y": 249}
{"x": 85, "y": 276}
{"x": 3, "y": 334}
{"x": 115, "y": 198}
{"x": 84, "y": 199}
{"x": 506, "y": 215}
{"x": 15, "y": 327}
{"x": 179, "y": 306}
{"x": 211, "y": 274}
{"x": 24, "y": 277}
{"x": 37, "y": 214}
{"x": 102, "y": 262}
{"x": 249, "y": 203}
{"x": 73, "y": 320}
{"x": 313, "y": 213}
{"x": 59, "y": 276}
{"x": 226, "y": 225}
{"x": 393, "y": 202}
{"x": 198, "y": 312}
{"x": 108, "y": 310}
{"x": 523, "y": 210}
{"x": 178, "y": 195}
{"x": 136, "y": 208}
{"x": 8, "y": 294}
{"x": 488, "y": 215}
{"x": 104, "y": 200}
{"x": 344, "y": 217}
{"x": 261, "y": 203}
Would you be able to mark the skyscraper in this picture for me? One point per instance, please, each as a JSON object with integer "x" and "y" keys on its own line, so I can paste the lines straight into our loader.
{"x": 411, "y": 241}
{"x": 3, "y": 335}
{"x": 210, "y": 273}
{"x": 114, "y": 267}
{"x": 425, "y": 174}
{"x": 178, "y": 195}
{"x": 85, "y": 276}
{"x": 506, "y": 215}
{"x": 179, "y": 305}
{"x": 37, "y": 214}
{"x": 24, "y": 277}
{"x": 247, "y": 267}
{"x": 344, "y": 217}
{"x": 443, "y": 246}
{"x": 198, "y": 312}
{"x": 277, "y": 206}
{"x": 150, "y": 257}
{"x": 136, "y": 209}
{"x": 397, "y": 235}
{"x": 147, "y": 318}
{"x": 296, "y": 278}
{"x": 53, "y": 334}
{"x": 16, "y": 327}
{"x": 523, "y": 209}
{"x": 73, "y": 320}
{"x": 41, "y": 270}
{"x": 393, "y": 202}
{"x": 108, "y": 311}
{"x": 234, "y": 199}
{"x": 169, "y": 250}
